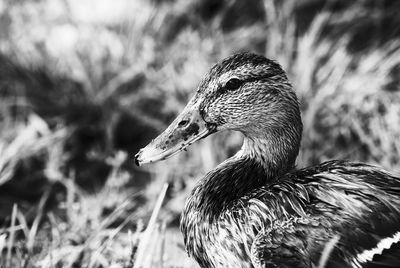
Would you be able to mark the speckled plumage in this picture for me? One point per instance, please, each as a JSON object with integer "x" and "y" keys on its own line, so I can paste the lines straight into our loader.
{"x": 256, "y": 209}
{"x": 287, "y": 221}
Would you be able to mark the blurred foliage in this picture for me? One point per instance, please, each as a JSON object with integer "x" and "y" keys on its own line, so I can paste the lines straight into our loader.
{"x": 85, "y": 84}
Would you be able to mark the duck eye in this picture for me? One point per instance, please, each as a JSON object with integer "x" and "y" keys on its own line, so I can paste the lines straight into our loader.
{"x": 233, "y": 84}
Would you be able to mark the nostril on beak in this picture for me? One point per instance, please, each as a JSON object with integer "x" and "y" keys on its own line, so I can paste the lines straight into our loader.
{"x": 183, "y": 123}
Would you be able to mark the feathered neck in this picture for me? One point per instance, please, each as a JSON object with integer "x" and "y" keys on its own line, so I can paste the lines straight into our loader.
{"x": 233, "y": 179}
{"x": 269, "y": 150}
{"x": 273, "y": 155}
{"x": 273, "y": 140}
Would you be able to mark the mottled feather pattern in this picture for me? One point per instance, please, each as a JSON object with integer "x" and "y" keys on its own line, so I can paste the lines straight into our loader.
{"x": 305, "y": 207}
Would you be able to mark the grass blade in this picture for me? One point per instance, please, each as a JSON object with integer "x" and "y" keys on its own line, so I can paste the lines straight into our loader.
{"x": 144, "y": 241}
{"x": 12, "y": 236}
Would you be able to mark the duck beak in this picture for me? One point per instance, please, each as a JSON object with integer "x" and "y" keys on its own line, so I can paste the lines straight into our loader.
{"x": 186, "y": 129}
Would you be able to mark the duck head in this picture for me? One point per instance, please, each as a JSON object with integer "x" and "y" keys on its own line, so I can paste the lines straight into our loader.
{"x": 244, "y": 92}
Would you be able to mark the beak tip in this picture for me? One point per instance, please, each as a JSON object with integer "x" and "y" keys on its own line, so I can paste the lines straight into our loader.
{"x": 136, "y": 159}
{"x": 137, "y": 163}
{"x": 144, "y": 156}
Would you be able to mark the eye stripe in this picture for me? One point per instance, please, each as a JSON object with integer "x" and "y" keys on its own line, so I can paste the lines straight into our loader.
{"x": 224, "y": 88}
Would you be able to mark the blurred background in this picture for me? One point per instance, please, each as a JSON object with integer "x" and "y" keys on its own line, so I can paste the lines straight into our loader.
{"x": 85, "y": 83}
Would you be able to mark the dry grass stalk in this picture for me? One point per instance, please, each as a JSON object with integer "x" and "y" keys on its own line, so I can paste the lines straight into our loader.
{"x": 145, "y": 239}
{"x": 329, "y": 247}
{"x": 11, "y": 238}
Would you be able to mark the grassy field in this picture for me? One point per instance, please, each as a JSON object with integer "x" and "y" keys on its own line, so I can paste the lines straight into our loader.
{"x": 85, "y": 84}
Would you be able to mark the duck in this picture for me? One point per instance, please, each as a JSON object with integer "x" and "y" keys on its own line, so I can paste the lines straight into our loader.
{"x": 257, "y": 208}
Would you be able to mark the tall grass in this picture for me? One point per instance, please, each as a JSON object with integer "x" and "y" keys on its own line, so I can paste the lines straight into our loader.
{"x": 79, "y": 96}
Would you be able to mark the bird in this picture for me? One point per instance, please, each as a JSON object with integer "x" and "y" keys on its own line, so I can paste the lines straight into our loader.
{"x": 257, "y": 208}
